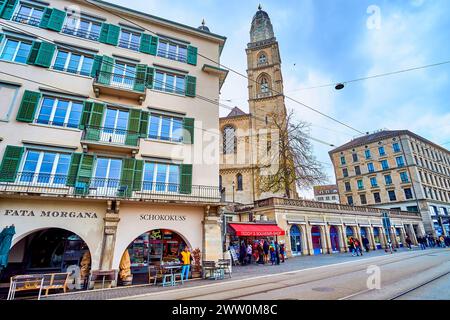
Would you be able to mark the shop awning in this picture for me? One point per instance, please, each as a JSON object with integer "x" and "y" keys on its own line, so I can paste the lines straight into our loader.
{"x": 255, "y": 230}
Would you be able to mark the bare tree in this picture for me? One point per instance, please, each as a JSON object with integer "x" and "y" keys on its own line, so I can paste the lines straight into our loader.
{"x": 290, "y": 161}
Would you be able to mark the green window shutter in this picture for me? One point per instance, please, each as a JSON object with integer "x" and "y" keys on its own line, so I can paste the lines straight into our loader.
{"x": 87, "y": 109}
{"x": 10, "y": 163}
{"x": 95, "y": 122}
{"x": 186, "y": 178}
{"x": 28, "y": 106}
{"x": 2, "y": 6}
{"x": 191, "y": 83}
{"x": 146, "y": 41}
{"x": 109, "y": 34}
{"x": 104, "y": 33}
{"x": 56, "y": 20}
{"x": 192, "y": 55}
{"x": 149, "y": 77}
{"x": 33, "y": 52}
{"x": 138, "y": 172}
{"x": 126, "y": 179}
{"x": 106, "y": 68}
{"x": 96, "y": 66}
{"x": 154, "y": 45}
{"x": 188, "y": 130}
{"x": 141, "y": 75}
{"x": 144, "y": 124}
{"x": 45, "y": 54}
{"x": 8, "y": 8}
{"x": 133, "y": 128}
{"x": 46, "y": 18}
{"x": 1, "y": 36}
{"x": 84, "y": 174}
{"x": 73, "y": 169}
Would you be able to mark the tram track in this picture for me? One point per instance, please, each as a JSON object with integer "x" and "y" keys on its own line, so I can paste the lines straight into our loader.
{"x": 383, "y": 262}
{"x": 404, "y": 293}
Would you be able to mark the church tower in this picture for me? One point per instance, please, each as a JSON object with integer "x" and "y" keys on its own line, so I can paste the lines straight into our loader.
{"x": 265, "y": 84}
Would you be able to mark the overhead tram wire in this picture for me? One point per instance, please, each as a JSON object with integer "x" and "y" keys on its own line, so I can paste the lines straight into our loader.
{"x": 74, "y": 49}
{"x": 228, "y": 68}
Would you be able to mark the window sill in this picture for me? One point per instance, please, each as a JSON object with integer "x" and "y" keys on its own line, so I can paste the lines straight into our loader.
{"x": 171, "y": 93}
{"x": 55, "y": 127}
{"x": 71, "y": 74}
{"x": 164, "y": 141}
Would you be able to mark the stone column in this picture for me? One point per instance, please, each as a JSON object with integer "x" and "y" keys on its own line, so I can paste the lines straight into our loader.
{"x": 357, "y": 231}
{"x": 326, "y": 247}
{"x": 412, "y": 234}
{"x": 309, "y": 239}
{"x": 304, "y": 239}
{"x": 371, "y": 238}
{"x": 111, "y": 222}
{"x": 342, "y": 242}
{"x": 383, "y": 238}
{"x": 394, "y": 238}
{"x": 403, "y": 236}
{"x": 212, "y": 235}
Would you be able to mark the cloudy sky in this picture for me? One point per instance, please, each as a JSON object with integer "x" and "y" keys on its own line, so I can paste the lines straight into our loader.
{"x": 328, "y": 41}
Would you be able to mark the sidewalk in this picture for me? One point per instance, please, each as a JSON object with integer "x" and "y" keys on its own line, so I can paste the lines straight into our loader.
{"x": 239, "y": 272}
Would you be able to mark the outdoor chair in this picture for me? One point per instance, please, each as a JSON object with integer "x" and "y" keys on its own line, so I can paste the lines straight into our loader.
{"x": 154, "y": 273}
{"x": 209, "y": 267}
{"x": 226, "y": 265}
{"x": 167, "y": 277}
{"x": 177, "y": 273}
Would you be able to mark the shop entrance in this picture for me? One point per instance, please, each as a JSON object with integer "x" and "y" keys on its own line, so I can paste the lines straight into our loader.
{"x": 376, "y": 237}
{"x": 155, "y": 247}
{"x": 334, "y": 237}
{"x": 296, "y": 241}
{"x": 316, "y": 241}
{"x": 50, "y": 250}
{"x": 349, "y": 232}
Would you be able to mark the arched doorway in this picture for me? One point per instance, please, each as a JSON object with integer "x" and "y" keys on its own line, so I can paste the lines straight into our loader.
{"x": 376, "y": 237}
{"x": 334, "y": 238}
{"x": 398, "y": 237}
{"x": 154, "y": 247}
{"x": 296, "y": 240}
{"x": 50, "y": 250}
{"x": 316, "y": 240}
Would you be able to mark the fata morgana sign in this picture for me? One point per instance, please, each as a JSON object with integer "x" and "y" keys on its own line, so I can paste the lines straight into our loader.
{"x": 49, "y": 214}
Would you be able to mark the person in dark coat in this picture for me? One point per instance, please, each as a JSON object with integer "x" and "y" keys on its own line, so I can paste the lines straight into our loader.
{"x": 266, "y": 251}
{"x": 242, "y": 253}
{"x": 365, "y": 242}
{"x": 277, "y": 252}
{"x": 408, "y": 242}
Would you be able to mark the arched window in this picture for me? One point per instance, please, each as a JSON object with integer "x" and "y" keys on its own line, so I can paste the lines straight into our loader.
{"x": 264, "y": 85}
{"x": 229, "y": 140}
{"x": 239, "y": 182}
{"x": 262, "y": 59}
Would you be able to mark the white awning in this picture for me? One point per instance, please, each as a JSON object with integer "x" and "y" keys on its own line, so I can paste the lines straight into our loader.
{"x": 296, "y": 222}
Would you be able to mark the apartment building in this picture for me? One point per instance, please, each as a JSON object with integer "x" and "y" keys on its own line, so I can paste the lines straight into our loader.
{"x": 396, "y": 169}
{"x": 104, "y": 116}
{"x": 326, "y": 193}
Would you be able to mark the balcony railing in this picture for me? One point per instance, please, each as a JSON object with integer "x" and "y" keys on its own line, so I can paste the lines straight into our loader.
{"x": 119, "y": 85}
{"x": 44, "y": 184}
{"x": 129, "y": 45}
{"x": 111, "y": 135}
{"x": 82, "y": 33}
{"x": 23, "y": 18}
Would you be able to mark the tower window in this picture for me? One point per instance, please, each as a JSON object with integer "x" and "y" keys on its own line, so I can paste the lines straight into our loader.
{"x": 264, "y": 85}
{"x": 262, "y": 58}
{"x": 239, "y": 182}
{"x": 229, "y": 140}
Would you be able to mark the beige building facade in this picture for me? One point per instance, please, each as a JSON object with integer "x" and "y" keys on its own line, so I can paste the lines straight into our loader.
{"x": 398, "y": 170}
{"x": 249, "y": 140}
{"x": 312, "y": 228}
{"x": 103, "y": 127}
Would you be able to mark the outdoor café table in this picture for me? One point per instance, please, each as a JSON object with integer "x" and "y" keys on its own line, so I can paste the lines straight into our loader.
{"x": 171, "y": 269}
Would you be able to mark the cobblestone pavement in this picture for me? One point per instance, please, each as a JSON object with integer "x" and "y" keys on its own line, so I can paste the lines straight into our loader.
{"x": 239, "y": 272}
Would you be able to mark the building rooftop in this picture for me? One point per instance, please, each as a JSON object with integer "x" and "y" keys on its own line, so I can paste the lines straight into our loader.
{"x": 380, "y": 135}
{"x": 236, "y": 112}
{"x": 325, "y": 189}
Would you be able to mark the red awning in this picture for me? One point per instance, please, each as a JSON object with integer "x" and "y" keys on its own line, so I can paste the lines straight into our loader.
{"x": 255, "y": 230}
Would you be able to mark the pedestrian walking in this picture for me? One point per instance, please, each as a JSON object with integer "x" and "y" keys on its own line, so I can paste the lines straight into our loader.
{"x": 277, "y": 252}
{"x": 249, "y": 253}
{"x": 186, "y": 258}
{"x": 365, "y": 243}
{"x": 351, "y": 246}
{"x": 266, "y": 251}
{"x": 408, "y": 242}
{"x": 260, "y": 254}
{"x": 272, "y": 253}
{"x": 282, "y": 252}
{"x": 243, "y": 253}
{"x": 442, "y": 241}
{"x": 357, "y": 245}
